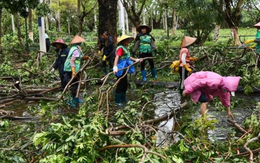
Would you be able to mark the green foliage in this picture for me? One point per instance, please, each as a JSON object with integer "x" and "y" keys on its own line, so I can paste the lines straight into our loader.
{"x": 73, "y": 140}
{"x": 42, "y": 9}
{"x": 200, "y": 22}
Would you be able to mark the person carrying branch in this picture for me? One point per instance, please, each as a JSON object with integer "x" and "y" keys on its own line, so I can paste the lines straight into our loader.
{"x": 185, "y": 59}
{"x": 204, "y": 85}
{"x": 62, "y": 51}
{"x": 108, "y": 53}
{"x": 123, "y": 60}
{"x": 144, "y": 42}
{"x": 72, "y": 66}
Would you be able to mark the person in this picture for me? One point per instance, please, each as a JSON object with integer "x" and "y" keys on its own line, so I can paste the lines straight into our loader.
{"x": 204, "y": 85}
{"x": 47, "y": 41}
{"x": 144, "y": 42}
{"x": 72, "y": 66}
{"x": 122, "y": 60}
{"x": 107, "y": 46}
{"x": 256, "y": 40}
{"x": 185, "y": 58}
{"x": 62, "y": 52}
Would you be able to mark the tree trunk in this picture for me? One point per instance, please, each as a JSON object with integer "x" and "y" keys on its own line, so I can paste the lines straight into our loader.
{"x": 13, "y": 26}
{"x": 234, "y": 33}
{"x": 68, "y": 26}
{"x": 30, "y": 24}
{"x": 18, "y": 26}
{"x": 0, "y": 30}
{"x": 216, "y": 32}
{"x": 58, "y": 20}
{"x": 107, "y": 17}
{"x": 174, "y": 21}
{"x": 79, "y": 19}
{"x": 46, "y": 23}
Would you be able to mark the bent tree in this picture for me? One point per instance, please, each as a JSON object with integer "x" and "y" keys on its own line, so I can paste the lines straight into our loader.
{"x": 231, "y": 12}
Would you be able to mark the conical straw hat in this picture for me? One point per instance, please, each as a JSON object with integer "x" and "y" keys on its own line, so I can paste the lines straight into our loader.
{"x": 186, "y": 41}
{"x": 77, "y": 39}
{"x": 148, "y": 28}
{"x": 124, "y": 37}
{"x": 257, "y": 25}
{"x": 59, "y": 41}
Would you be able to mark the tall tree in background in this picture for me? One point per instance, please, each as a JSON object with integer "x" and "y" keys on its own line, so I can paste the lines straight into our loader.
{"x": 133, "y": 10}
{"x": 199, "y": 18}
{"x": 87, "y": 7}
{"x": 253, "y": 9}
{"x": 107, "y": 17}
{"x": 231, "y": 12}
{"x": 16, "y": 7}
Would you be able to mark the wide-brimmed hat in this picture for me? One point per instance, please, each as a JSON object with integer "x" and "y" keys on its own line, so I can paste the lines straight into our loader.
{"x": 186, "y": 41}
{"x": 257, "y": 25}
{"x": 59, "y": 41}
{"x": 148, "y": 28}
{"x": 124, "y": 37}
{"x": 77, "y": 39}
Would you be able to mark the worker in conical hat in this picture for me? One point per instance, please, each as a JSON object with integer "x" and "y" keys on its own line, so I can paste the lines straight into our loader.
{"x": 123, "y": 60}
{"x": 185, "y": 59}
{"x": 62, "y": 52}
{"x": 72, "y": 66}
{"x": 144, "y": 43}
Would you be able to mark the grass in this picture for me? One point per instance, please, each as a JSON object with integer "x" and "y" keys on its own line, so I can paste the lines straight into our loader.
{"x": 224, "y": 35}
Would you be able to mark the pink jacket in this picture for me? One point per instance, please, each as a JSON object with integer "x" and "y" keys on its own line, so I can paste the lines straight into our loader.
{"x": 212, "y": 84}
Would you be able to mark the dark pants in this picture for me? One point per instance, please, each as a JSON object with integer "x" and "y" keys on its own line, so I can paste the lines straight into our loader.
{"x": 203, "y": 98}
{"x": 183, "y": 75}
{"x": 110, "y": 58}
{"x": 144, "y": 55}
{"x": 122, "y": 85}
{"x": 47, "y": 44}
{"x": 74, "y": 87}
{"x": 63, "y": 84}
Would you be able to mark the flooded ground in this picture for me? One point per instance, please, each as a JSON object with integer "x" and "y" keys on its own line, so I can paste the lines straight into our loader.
{"x": 170, "y": 99}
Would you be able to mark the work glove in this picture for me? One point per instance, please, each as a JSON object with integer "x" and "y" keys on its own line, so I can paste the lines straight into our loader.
{"x": 193, "y": 58}
{"x": 73, "y": 72}
{"x": 84, "y": 57}
{"x": 137, "y": 60}
{"x": 248, "y": 41}
{"x": 175, "y": 64}
{"x": 115, "y": 69}
{"x": 104, "y": 58}
{"x": 187, "y": 68}
{"x": 52, "y": 70}
{"x": 99, "y": 53}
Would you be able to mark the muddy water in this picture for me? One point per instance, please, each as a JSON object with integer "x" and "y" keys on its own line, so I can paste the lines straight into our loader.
{"x": 168, "y": 100}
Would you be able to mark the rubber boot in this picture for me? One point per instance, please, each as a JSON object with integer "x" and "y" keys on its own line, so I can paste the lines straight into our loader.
{"x": 123, "y": 98}
{"x": 118, "y": 99}
{"x": 104, "y": 70}
{"x": 154, "y": 73}
{"x": 77, "y": 100}
{"x": 71, "y": 103}
{"x": 144, "y": 75}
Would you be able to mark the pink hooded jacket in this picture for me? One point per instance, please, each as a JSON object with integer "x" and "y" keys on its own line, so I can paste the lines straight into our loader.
{"x": 212, "y": 84}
